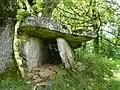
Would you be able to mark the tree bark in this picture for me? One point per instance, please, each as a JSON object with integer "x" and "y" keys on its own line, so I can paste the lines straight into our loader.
{"x": 48, "y": 6}
{"x": 7, "y": 23}
{"x": 96, "y": 44}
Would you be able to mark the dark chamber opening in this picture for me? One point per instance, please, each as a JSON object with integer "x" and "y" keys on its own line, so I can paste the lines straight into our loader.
{"x": 54, "y": 53}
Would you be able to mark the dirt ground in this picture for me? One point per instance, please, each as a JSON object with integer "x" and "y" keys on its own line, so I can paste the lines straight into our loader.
{"x": 42, "y": 74}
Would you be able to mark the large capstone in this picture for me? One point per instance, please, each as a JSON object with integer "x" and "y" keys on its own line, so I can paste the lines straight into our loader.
{"x": 49, "y": 30}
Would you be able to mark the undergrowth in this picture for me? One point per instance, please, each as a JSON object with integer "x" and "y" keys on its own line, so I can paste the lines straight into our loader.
{"x": 96, "y": 74}
{"x": 91, "y": 73}
{"x": 13, "y": 84}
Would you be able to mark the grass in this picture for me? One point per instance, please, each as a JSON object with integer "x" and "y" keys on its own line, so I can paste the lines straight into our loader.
{"x": 13, "y": 84}
{"x": 92, "y": 73}
{"x": 96, "y": 75}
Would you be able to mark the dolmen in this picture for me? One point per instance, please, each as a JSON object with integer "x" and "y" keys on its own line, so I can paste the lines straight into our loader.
{"x": 44, "y": 40}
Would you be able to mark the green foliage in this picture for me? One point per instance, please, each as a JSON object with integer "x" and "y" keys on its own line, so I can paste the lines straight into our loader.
{"x": 22, "y": 14}
{"x": 106, "y": 49}
{"x": 114, "y": 85}
{"x": 109, "y": 50}
{"x": 23, "y": 11}
{"x": 13, "y": 84}
{"x": 96, "y": 75}
{"x": 94, "y": 72}
{"x": 91, "y": 15}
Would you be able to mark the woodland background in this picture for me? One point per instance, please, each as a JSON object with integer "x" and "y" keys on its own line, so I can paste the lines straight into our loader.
{"x": 100, "y": 57}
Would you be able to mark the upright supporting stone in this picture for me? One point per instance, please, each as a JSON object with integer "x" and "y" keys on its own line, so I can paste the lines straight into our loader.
{"x": 65, "y": 52}
{"x": 35, "y": 51}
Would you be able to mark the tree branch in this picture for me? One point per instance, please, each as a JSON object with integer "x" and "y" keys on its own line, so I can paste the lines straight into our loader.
{"x": 109, "y": 41}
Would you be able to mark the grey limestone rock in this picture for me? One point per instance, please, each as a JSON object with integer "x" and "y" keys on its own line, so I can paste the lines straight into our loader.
{"x": 50, "y": 30}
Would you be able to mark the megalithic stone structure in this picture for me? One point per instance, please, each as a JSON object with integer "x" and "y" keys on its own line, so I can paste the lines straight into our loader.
{"x": 42, "y": 32}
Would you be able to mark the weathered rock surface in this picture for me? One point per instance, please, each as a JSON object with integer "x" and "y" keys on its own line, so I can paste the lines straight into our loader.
{"x": 7, "y": 23}
{"x": 35, "y": 51}
{"x": 39, "y": 29}
{"x": 65, "y": 52}
{"x": 6, "y": 50}
{"x": 50, "y": 30}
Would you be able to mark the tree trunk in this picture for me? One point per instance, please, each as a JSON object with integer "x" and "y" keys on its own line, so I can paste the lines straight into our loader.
{"x": 95, "y": 28}
{"x": 7, "y": 23}
{"x": 48, "y": 6}
{"x": 96, "y": 44}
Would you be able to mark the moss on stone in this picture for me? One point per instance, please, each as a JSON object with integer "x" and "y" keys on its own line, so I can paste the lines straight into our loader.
{"x": 11, "y": 70}
{"x": 46, "y": 34}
